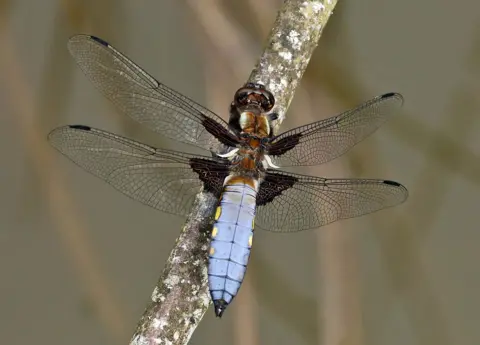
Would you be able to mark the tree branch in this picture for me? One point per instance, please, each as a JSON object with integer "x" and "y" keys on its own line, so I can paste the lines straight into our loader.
{"x": 291, "y": 43}
{"x": 181, "y": 296}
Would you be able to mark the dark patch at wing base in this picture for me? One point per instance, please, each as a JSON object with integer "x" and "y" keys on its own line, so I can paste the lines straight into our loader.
{"x": 272, "y": 186}
{"x": 284, "y": 145}
{"x": 219, "y": 132}
{"x": 211, "y": 173}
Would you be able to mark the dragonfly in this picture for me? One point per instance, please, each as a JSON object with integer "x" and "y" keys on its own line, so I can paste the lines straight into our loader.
{"x": 241, "y": 162}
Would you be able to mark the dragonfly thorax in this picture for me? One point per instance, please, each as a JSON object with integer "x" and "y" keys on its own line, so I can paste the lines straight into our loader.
{"x": 253, "y": 124}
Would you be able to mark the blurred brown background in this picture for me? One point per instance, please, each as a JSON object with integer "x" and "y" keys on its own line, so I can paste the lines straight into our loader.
{"x": 78, "y": 260}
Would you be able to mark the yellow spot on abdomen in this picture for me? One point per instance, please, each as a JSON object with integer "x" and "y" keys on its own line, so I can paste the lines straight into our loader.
{"x": 250, "y": 241}
{"x": 218, "y": 212}
{"x": 212, "y": 250}
{"x": 214, "y": 232}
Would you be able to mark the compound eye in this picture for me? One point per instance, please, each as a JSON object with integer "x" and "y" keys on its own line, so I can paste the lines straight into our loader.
{"x": 270, "y": 100}
{"x": 267, "y": 105}
{"x": 241, "y": 98}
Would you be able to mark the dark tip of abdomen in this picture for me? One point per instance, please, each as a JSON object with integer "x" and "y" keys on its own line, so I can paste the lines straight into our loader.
{"x": 220, "y": 305}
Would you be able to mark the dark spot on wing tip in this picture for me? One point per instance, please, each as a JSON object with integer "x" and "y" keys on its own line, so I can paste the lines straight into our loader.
{"x": 81, "y": 127}
{"x": 99, "y": 40}
{"x": 393, "y": 183}
{"x": 220, "y": 305}
{"x": 392, "y": 94}
{"x": 388, "y": 94}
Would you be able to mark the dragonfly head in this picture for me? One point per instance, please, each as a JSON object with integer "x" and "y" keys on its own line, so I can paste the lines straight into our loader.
{"x": 254, "y": 95}
{"x": 248, "y": 111}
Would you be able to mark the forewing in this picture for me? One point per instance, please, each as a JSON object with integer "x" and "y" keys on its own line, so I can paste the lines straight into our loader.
{"x": 146, "y": 100}
{"x": 291, "y": 202}
{"x": 322, "y": 141}
{"x": 163, "y": 179}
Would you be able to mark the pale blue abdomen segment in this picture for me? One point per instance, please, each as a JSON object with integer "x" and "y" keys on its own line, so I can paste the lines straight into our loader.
{"x": 231, "y": 242}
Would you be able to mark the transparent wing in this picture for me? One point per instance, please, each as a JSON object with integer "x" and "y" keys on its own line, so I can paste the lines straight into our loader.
{"x": 291, "y": 202}
{"x": 163, "y": 179}
{"x": 322, "y": 141}
{"x": 145, "y": 99}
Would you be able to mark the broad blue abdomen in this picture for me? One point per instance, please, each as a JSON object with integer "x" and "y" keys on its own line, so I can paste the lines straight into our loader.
{"x": 231, "y": 242}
